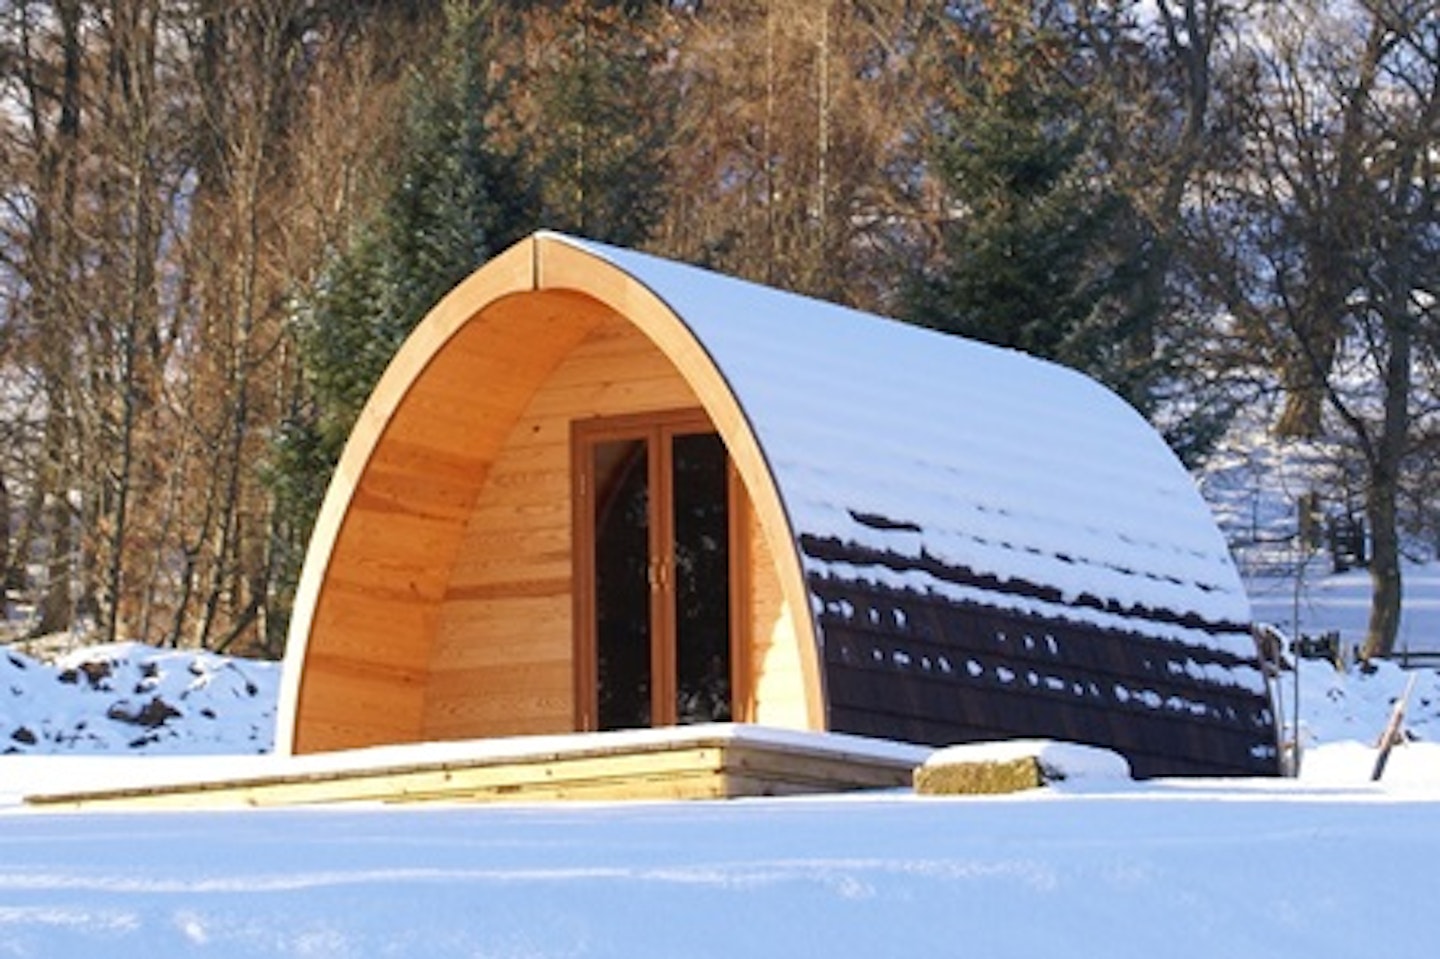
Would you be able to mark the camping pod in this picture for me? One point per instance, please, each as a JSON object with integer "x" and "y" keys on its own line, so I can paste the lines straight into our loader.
{"x": 599, "y": 490}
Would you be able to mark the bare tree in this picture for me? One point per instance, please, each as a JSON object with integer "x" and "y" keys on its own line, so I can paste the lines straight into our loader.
{"x": 43, "y": 126}
{"x": 157, "y": 214}
{"x": 795, "y": 155}
{"x": 288, "y": 108}
{"x": 1337, "y": 248}
{"x": 125, "y": 327}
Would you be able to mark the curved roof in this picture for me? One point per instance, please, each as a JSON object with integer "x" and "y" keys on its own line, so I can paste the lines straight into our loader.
{"x": 885, "y": 454}
{"x": 913, "y": 443}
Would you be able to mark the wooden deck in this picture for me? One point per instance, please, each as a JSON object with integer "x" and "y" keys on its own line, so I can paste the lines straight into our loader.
{"x": 705, "y": 762}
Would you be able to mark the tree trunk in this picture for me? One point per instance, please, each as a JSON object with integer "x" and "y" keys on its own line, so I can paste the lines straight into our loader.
{"x": 1382, "y": 501}
{"x": 132, "y": 83}
{"x": 4, "y": 548}
{"x": 1385, "y": 583}
{"x": 53, "y": 256}
{"x": 57, "y": 603}
{"x": 1404, "y": 259}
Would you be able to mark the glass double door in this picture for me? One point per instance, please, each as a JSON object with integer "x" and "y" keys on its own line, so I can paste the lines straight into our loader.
{"x": 654, "y": 554}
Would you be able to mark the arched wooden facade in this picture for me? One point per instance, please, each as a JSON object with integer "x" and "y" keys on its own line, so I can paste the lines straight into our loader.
{"x": 928, "y": 540}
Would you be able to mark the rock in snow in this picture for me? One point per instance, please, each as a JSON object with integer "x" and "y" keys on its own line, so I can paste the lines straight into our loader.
{"x": 1014, "y": 765}
{"x": 129, "y": 697}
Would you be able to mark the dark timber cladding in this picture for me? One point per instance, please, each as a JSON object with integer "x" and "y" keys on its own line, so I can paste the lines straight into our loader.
{"x": 920, "y": 667}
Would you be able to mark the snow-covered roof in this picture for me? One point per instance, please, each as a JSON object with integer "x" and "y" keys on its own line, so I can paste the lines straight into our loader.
{"x": 912, "y": 443}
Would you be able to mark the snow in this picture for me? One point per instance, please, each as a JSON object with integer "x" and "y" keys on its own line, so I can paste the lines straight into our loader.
{"x": 1319, "y": 600}
{"x": 1182, "y": 869}
{"x": 115, "y": 699}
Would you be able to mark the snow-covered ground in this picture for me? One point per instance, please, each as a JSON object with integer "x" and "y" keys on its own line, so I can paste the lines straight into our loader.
{"x": 1329, "y": 865}
{"x": 128, "y": 698}
{"x": 1320, "y": 601}
{"x": 1236, "y": 869}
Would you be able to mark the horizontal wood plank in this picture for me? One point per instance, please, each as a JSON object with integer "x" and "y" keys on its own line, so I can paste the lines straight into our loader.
{"x": 490, "y": 650}
{"x": 702, "y": 769}
{"x": 547, "y": 588}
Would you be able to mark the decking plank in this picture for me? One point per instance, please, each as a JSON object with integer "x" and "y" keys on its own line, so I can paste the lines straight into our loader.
{"x": 700, "y": 767}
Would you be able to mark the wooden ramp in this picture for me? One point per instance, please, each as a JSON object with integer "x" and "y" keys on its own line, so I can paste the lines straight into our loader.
{"x": 698, "y": 762}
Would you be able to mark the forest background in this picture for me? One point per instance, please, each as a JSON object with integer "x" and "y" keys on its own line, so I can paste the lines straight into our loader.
{"x": 218, "y": 220}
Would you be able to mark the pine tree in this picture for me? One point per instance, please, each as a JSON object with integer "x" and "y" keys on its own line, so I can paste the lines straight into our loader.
{"x": 458, "y": 198}
{"x": 601, "y": 116}
{"x": 1036, "y": 250}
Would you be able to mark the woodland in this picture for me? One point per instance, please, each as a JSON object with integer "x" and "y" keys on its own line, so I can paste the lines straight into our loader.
{"x": 218, "y": 221}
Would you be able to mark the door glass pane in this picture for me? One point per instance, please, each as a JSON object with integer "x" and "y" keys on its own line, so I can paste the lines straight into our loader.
{"x": 702, "y": 580}
{"x": 622, "y": 584}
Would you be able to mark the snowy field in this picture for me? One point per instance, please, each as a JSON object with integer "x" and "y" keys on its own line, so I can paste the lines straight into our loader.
{"x": 1329, "y": 865}
{"x": 1235, "y": 869}
{"x": 1322, "y": 601}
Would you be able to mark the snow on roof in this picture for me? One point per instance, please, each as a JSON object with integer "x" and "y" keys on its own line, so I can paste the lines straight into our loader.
{"x": 980, "y": 457}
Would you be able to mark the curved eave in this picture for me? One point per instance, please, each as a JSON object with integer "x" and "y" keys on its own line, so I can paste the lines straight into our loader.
{"x": 565, "y": 272}
{"x": 509, "y": 273}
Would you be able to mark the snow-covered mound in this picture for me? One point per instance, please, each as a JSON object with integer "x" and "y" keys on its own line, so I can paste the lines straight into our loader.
{"x": 131, "y": 698}
{"x": 1354, "y": 704}
{"x": 1343, "y": 716}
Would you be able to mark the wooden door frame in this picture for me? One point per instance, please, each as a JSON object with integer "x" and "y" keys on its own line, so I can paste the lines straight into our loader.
{"x": 655, "y": 429}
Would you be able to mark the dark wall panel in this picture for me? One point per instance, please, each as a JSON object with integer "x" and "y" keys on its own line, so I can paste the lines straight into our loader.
{"x": 921, "y": 667}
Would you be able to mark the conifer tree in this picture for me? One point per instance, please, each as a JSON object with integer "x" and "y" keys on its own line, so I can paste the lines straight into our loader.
{"x": 601, "y": 116}
{"x": 1034, "y": 252}
{"x": 457, "y": 199}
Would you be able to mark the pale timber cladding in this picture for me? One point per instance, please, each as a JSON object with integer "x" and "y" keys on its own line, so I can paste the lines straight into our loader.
{"x": 502, "y": 663}
{"x": 446, "y": 611}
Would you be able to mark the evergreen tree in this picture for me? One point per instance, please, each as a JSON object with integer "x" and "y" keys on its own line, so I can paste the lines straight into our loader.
{"x": 1040, "y": 251}
{"x": 458, "y": 198}
{"x": 602, "y": 116}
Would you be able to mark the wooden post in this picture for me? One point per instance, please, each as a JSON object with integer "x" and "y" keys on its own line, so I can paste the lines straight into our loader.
{"x": 1392, "y": 730}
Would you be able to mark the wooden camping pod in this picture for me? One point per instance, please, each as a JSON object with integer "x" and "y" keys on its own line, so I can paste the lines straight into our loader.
{"x": 876, "y": 586}
{"x": 436, "y": 600}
